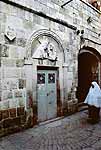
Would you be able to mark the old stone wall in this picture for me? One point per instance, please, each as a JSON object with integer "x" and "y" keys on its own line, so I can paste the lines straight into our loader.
{"x": 18, "y": 20}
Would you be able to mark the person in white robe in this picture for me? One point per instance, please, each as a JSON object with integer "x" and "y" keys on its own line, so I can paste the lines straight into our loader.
{"x": 93, "y": 100}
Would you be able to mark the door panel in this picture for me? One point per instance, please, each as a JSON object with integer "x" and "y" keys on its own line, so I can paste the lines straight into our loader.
{"x": 41, "y": 87}
{"x": 51, "y": 95}
{"x": 47, "y": 95}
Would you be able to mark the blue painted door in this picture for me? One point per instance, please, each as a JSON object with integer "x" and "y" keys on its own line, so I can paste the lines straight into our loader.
{"x": 47, "y": 94}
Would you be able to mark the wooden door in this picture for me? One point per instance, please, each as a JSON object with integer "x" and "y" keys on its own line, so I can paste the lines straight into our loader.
{"x": 46, "y": 94}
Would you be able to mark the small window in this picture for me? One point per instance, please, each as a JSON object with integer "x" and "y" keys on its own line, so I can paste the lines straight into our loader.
{"x": 51, "y": 78}
{"x": 41, "y": 78}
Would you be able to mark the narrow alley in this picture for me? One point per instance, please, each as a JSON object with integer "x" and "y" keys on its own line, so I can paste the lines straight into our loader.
{"x": 69, "y": 133}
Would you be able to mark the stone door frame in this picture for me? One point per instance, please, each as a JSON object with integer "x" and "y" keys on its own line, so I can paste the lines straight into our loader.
{"x": 32, "y": 65}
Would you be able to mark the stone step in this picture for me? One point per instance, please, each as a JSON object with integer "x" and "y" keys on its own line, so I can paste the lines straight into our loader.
{"x": 50, "y": 121}
{"x": 82, "y": 108}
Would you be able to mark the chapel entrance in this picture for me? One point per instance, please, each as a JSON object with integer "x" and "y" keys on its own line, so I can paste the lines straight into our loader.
{"x": 88, "y": 70}
{"x": 47, "y": 94}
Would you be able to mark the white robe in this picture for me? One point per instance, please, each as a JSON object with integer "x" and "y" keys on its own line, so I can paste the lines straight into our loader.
{"x": 94, "y": 96}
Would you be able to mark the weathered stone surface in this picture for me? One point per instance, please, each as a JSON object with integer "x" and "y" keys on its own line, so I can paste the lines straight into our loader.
{"x": 23, "y": 119}
{"x": 4, "y": 104}
{"x": 5, "y": 114}
{"x": 18, "y": 93}
{"x": 4, "y": 50}
{"x": 7, "y": 123}
{"x": 0, "y": 115}
{"x": 22, "y": 83}
{"x": 12, "y": 103}
{"x": 19, "y": 62}
{"x": 11, "y": 72}
{"x": 17, "y": 121}
{"x": 21, "y": 102}
{"x": 21, "y": 42}
{"x": 7, "y": 62}
{"x": 7, "y": 95}
{"x": 12, "y": 112}
{"x": 20, "y": 111}
{"x": 9, "y": 84}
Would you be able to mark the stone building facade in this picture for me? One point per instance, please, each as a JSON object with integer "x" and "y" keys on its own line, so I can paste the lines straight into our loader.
{"x": 50, "y": 52}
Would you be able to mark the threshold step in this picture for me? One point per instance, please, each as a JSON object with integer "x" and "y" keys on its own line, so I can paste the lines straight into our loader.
{"x": 51, "y": 120}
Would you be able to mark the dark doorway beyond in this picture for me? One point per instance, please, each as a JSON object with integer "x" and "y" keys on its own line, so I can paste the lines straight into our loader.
{"x": 87, "y": 71}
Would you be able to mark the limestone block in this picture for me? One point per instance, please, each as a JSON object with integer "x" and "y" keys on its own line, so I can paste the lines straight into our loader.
{"x": 0, "y": 73}
{"x": 23, "y": 74}
{"x": 70, "y": 75}
{"x": 13, "y": 51}
{"x": 12, "y": 103}
{"x": 2, "y": 17}
{"x": 3, "y": 7}
{"x": 5, "y": 114}
{"x": 17, "y": 93}
{"x": 29, "y": 76}
{"x": 21, "y": 42}
{"x": 61, "y": 28}
{"x": 4, "y": 50}
{"x": 9, "y": 84}
{"x": 46, "y": 23}
{"x": 4, "y": 105}
{"x": 6, "y": 94}
{"x": 12, "y": 112}
{"x": 75, "y": 18}
{"x": 8, "y": 62}
{"x": 20, "y": 111}
{"x": 70, "y": 38}
{"x": 53, "y": 12}
{"x": 14, "y": 22}
{"x": 9, "y": 72}
{"x": 22, "y": 83}
{"x": 14, "y": 11}
{"x": 19, "y": 13}
{"x": 20, "y": 33}
{"x": 58, "y": 2}
{"x": 70, "y": 68}
{"x": 20, "y": 62}
{"x": 21, "y": 102}
{"x": 20, "y": 52}
{"x": 0, "y": 95}
{"x": 2, "y": 38}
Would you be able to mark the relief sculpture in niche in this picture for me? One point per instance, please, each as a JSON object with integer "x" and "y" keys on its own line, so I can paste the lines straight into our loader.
{"x": 46, "y": 50}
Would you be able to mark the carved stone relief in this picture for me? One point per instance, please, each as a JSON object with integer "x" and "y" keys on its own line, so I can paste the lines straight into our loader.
{"x": 10, "y": 33}
{"x": 46, "y": 50}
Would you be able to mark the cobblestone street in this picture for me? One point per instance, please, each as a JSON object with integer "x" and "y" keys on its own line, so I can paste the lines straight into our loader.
{"x": 70, "y": 133}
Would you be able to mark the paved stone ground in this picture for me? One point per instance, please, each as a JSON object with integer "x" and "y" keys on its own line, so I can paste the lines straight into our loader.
{"x": 70, "y": 133}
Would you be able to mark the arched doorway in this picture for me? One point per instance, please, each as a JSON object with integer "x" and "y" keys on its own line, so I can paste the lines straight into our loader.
{"x": 88, "y": 70}
{"x": 44, "y": 51}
